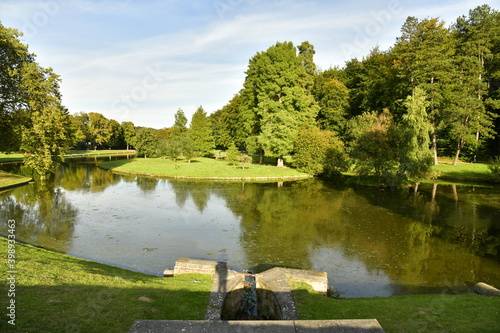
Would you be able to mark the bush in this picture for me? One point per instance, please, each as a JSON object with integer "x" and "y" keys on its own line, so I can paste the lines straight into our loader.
{"x": 494, "y": 167}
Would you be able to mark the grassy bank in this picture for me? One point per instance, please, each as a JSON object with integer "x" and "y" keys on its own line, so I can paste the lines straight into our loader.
{"x": 200, "y": 168}
{"x": 415, "y": 313}
{"x": 469, "y": 172}
{"x": 8, "y": 179}
{"x": 58, "y": 293}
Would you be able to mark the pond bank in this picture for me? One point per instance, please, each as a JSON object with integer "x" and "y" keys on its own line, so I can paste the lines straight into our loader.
{"x": 94, "y": 297}
{"x": 9, "y": 180}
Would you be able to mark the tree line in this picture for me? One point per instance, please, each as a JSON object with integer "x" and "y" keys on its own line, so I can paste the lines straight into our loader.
{"x": 434, "y": 93}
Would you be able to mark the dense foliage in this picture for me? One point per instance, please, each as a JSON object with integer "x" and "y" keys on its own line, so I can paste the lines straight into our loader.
{"x": 435, "y": 93}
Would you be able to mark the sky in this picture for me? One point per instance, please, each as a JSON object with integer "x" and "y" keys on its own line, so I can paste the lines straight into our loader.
{"x": 141, "y": 61}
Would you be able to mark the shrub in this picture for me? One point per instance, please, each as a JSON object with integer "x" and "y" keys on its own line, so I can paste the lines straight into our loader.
{"x": 494, "y": 167}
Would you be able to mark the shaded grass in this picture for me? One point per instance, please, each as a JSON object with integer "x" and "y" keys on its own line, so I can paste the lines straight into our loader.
{"x": 203, "y": 168}
{"x": 413, "y": 313}
{"x": 60, "y": 293}
{"x": 9, "y": 179}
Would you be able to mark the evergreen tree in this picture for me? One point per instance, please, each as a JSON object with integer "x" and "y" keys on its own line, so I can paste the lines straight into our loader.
{"x": 424, "y": 54}
{"x": 200, "y": 132}
{"x": 180, "y": 124}
{"x": 472, "y": 120}
{"x": 276, "y": 86}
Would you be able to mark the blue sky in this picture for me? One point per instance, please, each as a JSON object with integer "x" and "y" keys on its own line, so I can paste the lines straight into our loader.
{"x": 141, "y": 61}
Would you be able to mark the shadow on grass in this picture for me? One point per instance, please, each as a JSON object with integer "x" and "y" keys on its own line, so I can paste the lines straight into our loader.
{"x": 70, "y": 307}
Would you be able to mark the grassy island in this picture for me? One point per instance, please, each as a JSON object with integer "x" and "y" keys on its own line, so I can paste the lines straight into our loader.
{"x": 200, "y": 168}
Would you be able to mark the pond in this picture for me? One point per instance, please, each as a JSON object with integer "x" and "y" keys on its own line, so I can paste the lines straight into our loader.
{"x": 370, "y": 242}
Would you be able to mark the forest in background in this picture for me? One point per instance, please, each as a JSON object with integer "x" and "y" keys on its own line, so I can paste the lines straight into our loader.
{"x": 434, "y": 93}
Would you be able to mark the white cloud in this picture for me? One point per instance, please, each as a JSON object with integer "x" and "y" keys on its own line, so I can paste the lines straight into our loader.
{"x": 106, "y": 50}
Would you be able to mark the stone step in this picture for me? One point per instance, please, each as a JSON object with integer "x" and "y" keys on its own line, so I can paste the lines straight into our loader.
{"x": 261, "y": 326}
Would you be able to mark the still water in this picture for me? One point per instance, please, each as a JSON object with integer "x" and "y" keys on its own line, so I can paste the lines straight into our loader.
{"x": 370, "y": 242}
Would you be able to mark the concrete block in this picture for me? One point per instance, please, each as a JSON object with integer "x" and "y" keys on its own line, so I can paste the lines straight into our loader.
{"x": 486, "y": 290}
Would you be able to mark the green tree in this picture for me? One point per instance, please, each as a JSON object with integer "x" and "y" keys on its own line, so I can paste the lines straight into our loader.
{"x": 14, "y": 112}
{"x": 415, "y": 155}
{"x": 424, "y": 54}
{"x": 180, "y": 124}
{"x": 276, "y": 88}
{"x": 146, "y": 142}
{"x": 129, "y": 133}
{"x": 314, "y": 149}
{"x": 232, "y": 154}
{"x": 200, "y": 131}
{"x": 45, "y": 142}
{"x": 117, "y": 137}
{"x": 99, "y": 129}
{"x": 473, "y": 116}
{"x": 333, "y": 99}
{"x": 373, "y": 145}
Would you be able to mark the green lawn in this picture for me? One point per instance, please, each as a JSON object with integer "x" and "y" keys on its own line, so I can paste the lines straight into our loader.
{"x": 14, "y": 157}
{"x": 9, "y": 179}
{"x": 415, "y": 313}
{"x": 58, "y": 293}
{"x": 104, "y": 152}
{"x": 471, "y": 172}
{"x": 202, "y": 168}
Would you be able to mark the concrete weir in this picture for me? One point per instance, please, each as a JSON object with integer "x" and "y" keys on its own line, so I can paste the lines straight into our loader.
{"x": 275, "y": 305}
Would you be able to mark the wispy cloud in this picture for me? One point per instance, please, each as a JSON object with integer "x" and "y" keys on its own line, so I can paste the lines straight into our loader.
{"x": 108, "y": 51}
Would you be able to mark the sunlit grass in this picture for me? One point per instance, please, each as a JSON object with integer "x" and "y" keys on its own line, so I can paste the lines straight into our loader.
{"x": 478, "y": 172}
{"x": 9, "y": 179}
{"x": 58, "y": 293}
{"x": 413, "y": 313}
{"x": 204, "y": 168}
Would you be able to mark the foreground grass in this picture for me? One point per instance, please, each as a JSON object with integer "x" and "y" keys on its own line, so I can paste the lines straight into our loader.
{"x": 59, "y": 293}
{"x": 414, "y": 313}
{"x": 202, "y": 168}
{"x": 9, "y": 179}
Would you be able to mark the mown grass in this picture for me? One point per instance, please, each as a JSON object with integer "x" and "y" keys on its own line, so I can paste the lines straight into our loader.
{"x": 104, "y": 152}
{"x": 14, "y": 157}
{"x": 201, "y": 168}
{"x": 413, "y": 313}
{"x": 470, "y": 172}
{"x": 9, "y": 179}
{"x": 59, "y": 293}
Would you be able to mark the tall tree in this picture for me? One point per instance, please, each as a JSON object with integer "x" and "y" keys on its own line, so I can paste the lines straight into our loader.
{"x": 48, "y": 137}
{"x": 99, "y": 129}
{"x": 14, "y": 113}
{"x": 413, "y": 133}
{"x": 200, "y": 131}
{"x": 333, "y": 99}
{"x": 424, "y": 54}
{"x": 276, "y": 86}
{"x": 180, "y": 124}
{"x": 476, "y": 35}
{"x": 146, "y": 142}
{"x": 129, "y": 133}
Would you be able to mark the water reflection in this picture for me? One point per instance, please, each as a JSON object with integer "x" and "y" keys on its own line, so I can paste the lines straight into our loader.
{"x": 371, "y": 242}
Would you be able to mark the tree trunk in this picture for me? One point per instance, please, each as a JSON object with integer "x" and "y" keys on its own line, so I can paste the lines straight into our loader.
{"x": 459, "y": 148}
{"x": 280, "y": 162}
{"x": 261, "y": 156}
{"x": 434, "y": 148}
